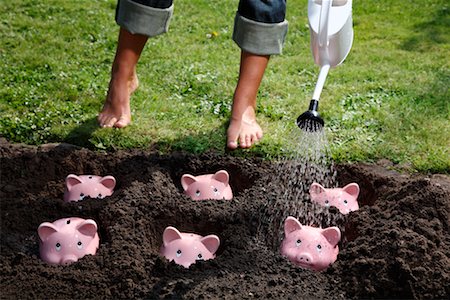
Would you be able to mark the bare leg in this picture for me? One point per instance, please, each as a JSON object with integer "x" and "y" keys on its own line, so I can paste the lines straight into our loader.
{"x": 243, "y": 130}
{"x": 124, "y": 81}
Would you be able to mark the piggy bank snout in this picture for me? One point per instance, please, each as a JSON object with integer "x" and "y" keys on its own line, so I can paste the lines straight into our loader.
{"x": 68, "y": 259}
{"x": 305, "y": 258}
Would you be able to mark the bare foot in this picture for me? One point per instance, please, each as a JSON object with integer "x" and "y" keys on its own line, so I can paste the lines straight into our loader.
{"x": 116, "y": 110}
{"x": 243, "y": 131}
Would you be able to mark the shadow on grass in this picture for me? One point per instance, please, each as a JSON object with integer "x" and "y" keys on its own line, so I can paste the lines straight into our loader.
{"x": 82, "y": 134}
{"x": 427, "y": 34}
{"x": 214, "y": 140}
{"x": 195, "y": 143}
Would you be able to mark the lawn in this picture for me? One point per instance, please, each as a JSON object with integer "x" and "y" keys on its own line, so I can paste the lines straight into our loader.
{"x": 390, "y": 98}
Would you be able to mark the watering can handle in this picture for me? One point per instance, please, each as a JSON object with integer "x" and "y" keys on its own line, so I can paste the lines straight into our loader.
{"x": 323, "y": 22}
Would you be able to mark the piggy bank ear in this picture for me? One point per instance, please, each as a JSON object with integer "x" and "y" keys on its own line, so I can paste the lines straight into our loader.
{"x": 352, "y": 189}
{"x": 211, "y": 242}
{"x": 109, "y": 182}
{"x": 316, "y": 189}
{"x": 72, "y": 180}
{"x": 187, "y": 180}
{"x": 170, "y": 234}
{"x": 332, "y": 234}
{"x": 88, "y": 227}
{"x": 291, "y": 224}
{"x": 45, "y": 229}
{"x": 222, "y": 176}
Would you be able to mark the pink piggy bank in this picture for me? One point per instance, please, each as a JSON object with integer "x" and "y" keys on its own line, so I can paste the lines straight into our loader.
{"x": 310, "y": 247}
{"x": 67, "y": 240}
{"x": 186, "y": 248}
{"x": 79, "y": 187}
{"x": 209, "y": 186}
{"x": 345, "y": 199}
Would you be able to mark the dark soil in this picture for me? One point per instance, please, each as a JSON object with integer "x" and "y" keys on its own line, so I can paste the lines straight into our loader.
{"x": 396, "y": 246}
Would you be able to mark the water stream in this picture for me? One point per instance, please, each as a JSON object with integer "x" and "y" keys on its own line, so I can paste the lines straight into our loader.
{"x": 308, "y": 160}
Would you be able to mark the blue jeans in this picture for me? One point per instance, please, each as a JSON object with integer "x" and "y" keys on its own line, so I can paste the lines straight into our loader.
{"x": 259, "y": 26}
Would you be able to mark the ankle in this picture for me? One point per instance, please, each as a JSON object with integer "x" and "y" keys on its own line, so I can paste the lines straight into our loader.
{"x": 122, "y": 71}
{"x": 246, "y": 113}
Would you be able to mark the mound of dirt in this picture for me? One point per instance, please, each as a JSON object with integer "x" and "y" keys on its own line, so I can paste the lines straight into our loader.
{"x": 396, "y": 246}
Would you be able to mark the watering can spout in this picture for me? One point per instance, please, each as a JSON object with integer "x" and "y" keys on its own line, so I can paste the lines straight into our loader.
{"x": 331, "y": 33}
{"x": 310, "y": 120}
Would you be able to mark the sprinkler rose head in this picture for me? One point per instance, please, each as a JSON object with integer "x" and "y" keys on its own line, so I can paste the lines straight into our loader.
{"x": 310, "y": 120}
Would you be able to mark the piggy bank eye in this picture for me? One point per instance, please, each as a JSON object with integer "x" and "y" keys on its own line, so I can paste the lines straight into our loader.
{"x": 345, "y": 202}
{"x": 197, "y": 193}
{"x": 327, "y": 202}
{"x": 80, "y": 245}
{"x": 99, "y": 196}
{"x": 82, "y": 196}
{"x": 199, "y": 256}
{"x": 58, "y": 247}
{"x": 216, "y": 191}
{"x": 319, "y": 248}
{"x": 298, "y": 242}
{"x": 178, "y": 253}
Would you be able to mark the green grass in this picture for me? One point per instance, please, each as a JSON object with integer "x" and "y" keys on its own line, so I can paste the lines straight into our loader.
{"x": 390, "y": 98}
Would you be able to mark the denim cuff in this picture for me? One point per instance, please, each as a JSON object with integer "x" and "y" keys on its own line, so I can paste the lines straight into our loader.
{"x": 140, "y": 19}
{"x": 259, "y": 38}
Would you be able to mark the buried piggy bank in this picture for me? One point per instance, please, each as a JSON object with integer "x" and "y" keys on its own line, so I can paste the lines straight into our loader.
{"x": 310, "y": 247}
{"x": 209, "y": 186}
{"x": 186, "y": 248}
{"x": 79, "y": 187}
{"x": 67, "y": 240}
{"x": 345, "y": 199}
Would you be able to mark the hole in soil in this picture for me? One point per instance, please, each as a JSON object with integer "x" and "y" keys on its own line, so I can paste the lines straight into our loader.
{"x": 367, "y": 185}
{"x": 242, "y": 176}
{"x": 191, "y": 223}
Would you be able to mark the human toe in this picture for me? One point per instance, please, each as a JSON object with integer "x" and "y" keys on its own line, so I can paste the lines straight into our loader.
{"x": 245, "y": 141}
{"x": 259, "y": 135}
{"x": 101, "y": 120}
{"x": 122, "y": 122}
{"x": 254, "y": 139}
{"x": 109, "y": 121}
{"x": 232, "y": 145}
{"x": 232, "y": 137}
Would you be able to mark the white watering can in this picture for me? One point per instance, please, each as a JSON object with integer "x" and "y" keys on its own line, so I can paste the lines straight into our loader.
{"x": 331, "y": 33}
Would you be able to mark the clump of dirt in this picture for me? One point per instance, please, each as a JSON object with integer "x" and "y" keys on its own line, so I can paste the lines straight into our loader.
{"x": 396, "y": 246}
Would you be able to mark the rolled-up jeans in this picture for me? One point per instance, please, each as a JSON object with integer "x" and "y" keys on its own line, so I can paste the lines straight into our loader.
{"x": 260, "y": 26}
